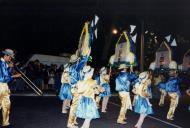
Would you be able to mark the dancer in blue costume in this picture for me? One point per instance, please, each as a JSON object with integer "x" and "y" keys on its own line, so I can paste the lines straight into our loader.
{"x": 123, "y": 87}
{"x": 77, "y": 65}
{"x": 103, "y": 80}
{"x": 65, "y": 91}
{"x": 142, "y": 90}
{"x": 172, "y": 88}
{"x": 87, "y": 88}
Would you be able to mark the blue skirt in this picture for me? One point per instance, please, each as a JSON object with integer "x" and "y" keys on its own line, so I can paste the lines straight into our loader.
{"x": 142, "y": 106}
{"x": 107, "y": 91}
{"x": 87, "y": 109}
{"x": 65, "y": 92}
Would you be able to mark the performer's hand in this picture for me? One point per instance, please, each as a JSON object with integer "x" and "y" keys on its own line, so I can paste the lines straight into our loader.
{"x": 16, "y": 75}
{"x": 11, "y": 65}
{"x": 188, "y": 92}
{"x": 101, "y": 89}
{"x": 134, "y": 90}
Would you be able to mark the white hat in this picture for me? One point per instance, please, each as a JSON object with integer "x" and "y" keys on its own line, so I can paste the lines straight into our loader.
{"x": 112, "y": 58}
{"x": 173, "y": 65}
{"x": 103, "y": 70}
{"x": 122, "y": 66}
{"x": 73, "y": 58}
{"x": 88, "y": 71}
{"x": 152, "y": 66}
{"x": 143, "y": 76}
{"x": 9, "y": 52}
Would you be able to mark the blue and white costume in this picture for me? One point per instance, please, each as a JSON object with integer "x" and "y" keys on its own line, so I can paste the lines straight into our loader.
{"x": 74, "y": 77}
{"x": 123, "y": 87}
{"x": 87, "y": 108}
{"x": 142, "y": 91}
{"x": 141, "y": 102}
{"x": 162, "y": 86}
{"x": 172, "y": 88}
{"x": 74, "y": 70}
{"x": 103, "y": 81}
{"x": 5, "y": 72}
{"x": 107, "y": 91}
{"x": 65, "y": 91}
{"x": 123, "y": 82}
{"x": 132, "y": 77}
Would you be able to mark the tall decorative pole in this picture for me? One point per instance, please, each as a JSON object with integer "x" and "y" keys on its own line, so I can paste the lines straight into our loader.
{"x": 142, "y": 47}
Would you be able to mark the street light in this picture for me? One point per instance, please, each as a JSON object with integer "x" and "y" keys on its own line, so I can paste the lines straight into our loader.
{"x": 114, "y": 31}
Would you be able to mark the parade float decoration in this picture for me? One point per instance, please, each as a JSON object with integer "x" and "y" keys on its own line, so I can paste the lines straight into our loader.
{"x": 124, "y": 51}
{"x": 185, "y": 66}
{"x": 163, "y": 58}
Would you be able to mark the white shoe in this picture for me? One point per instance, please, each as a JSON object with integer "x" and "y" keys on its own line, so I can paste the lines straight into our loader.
{"x": 71, "y": 126}
{"x": 104, "y": 111}
{"x": 121, "y": 122}
{"x": 64, "y": 111}
{"x": 136, "y": 125}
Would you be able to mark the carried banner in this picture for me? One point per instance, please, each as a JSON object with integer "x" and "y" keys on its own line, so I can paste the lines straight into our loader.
{"x": 87, "y": 36}
{"x": 84, "y": 47}
{"x": 124, "y": 51}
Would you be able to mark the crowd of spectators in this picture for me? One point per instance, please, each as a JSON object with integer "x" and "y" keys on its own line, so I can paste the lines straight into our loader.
{"x": 46, "y": 78}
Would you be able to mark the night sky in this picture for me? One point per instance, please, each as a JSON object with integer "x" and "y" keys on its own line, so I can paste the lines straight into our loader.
{"x": 54, "y": 26}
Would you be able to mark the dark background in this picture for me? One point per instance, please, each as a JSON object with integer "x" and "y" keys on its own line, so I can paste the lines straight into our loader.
{"x": 54, "y": 26}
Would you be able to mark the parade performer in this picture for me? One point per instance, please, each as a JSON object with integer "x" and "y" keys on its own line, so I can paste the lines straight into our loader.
{"x": 87, "y": 89}
{"x": 123, "y": 88}
{"x": 82, "y": 55}
{"x": 142, "y": 90}
{"x": 172, "y": 88}
{"x": 103, "y": 80}
{"x": 5, "y": 77}
{"x": 124, "y": 58}
{"x": 74, "y": 77}
{"x": 65, "y": 91}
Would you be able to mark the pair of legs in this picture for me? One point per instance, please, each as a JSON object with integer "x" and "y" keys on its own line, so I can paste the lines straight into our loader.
{"x": 86, "y": 123}
{"x": 140, "y": 121}
{"x": 125, "y": 104}
{"x": 72, "y": 117}
{"x": 66, "y": 105}
{"x": 5, "y": 103}
{"x": 174, "y": 99}
{"x": 162, "y": 97}
{"x": 104, "y": 102}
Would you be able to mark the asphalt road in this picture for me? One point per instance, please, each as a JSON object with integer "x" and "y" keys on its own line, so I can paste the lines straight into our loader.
{"x": 45, "y": 112}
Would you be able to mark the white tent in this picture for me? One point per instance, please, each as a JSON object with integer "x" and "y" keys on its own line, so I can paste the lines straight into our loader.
{"x": 50, "y": 59}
